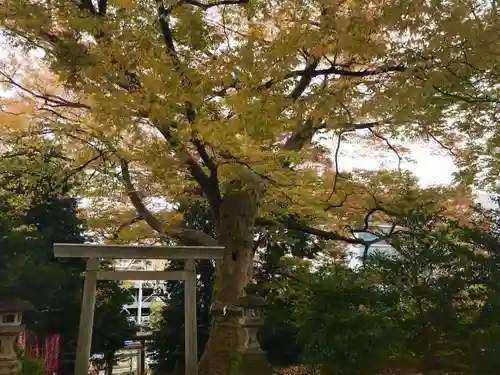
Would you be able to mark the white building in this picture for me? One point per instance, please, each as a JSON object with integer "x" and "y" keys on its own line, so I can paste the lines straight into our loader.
{"x": 357, "y": 252}
{"x": 143, "y": 292}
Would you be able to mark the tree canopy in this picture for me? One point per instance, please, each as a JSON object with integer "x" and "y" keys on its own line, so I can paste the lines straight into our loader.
{"x": 253, "y": 87}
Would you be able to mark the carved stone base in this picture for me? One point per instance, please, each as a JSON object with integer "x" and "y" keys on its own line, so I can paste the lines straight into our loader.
{"x": 10, "y": 367}
{"x": 10, "y": 327}
{"x": 9, "y": 363}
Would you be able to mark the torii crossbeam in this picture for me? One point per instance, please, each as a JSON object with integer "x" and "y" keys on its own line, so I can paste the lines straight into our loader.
{"x": 95, "y": 253}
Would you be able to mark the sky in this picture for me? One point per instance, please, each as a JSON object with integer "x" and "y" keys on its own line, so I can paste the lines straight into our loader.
{"x": 429, "y": 162}
{"x": 431, "y": 165}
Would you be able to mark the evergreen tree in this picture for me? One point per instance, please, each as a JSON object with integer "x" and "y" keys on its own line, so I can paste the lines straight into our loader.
{"x": 37, "y": 210}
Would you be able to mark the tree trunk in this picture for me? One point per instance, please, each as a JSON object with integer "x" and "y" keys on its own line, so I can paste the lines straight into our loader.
{"x": 236, "y": 230}
{"x": 110, "y": 361}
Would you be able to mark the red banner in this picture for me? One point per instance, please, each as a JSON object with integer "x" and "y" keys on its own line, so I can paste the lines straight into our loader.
{"x": 21, "y": 340}
{"x": 48, "y": 353}
{"x": 51, "y": 354}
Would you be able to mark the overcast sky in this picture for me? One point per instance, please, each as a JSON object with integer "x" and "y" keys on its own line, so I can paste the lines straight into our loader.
{"x": 430, "y": 163}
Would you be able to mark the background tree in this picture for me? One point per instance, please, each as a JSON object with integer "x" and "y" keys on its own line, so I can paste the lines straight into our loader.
{"x": 428, "y": 270}
{"x": 168, "y": 348}
{"x": 112, "y": 328}
{"x": 484, "y": 328}
{"x": 38, "y": 211}
{"x": 347, "y": 324}
{"x": 416, "y": 308}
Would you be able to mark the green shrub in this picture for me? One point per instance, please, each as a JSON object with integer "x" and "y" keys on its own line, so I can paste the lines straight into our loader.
{"x": 32, "y": 367}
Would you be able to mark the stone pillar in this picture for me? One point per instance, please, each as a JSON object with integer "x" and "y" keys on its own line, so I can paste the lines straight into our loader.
{"x": 253, "y": 360}
{"x": 227, "y": 318}
{"x": 11, "y": 313}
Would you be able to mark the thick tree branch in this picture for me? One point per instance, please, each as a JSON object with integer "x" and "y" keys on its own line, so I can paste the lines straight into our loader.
{"x": 209, "y": 184}
{"x": 305, "y": 79}
{"x": 302, "y": 136}
{"x": 333, "y": 236}
{"x": 305, "y": 133}
{"x": 137, "y": 202}
{"x": 327, "y": 235}
{"x": 335, "y": 70}
{"x": 102, "y": 7}
{"x": 155, "y": 223}
{"x": 206, "y": 6}
{"x": 168, "y": 38}
{"x": 202, "y": 151}
{"x": 122, "y": 226}
{"x": 163, "y": 15}
{"x": 361, "y": 126}
{"x": 87, "y": 5}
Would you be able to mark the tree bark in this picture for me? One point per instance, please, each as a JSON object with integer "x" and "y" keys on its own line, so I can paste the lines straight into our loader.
{"x": 238, "y": 211}
{"x": 110, "y": 359}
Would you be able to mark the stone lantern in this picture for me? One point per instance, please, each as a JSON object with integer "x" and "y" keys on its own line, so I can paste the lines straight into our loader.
{"x": 251, "y": 321}
{"x": 253, "y": 359}
{"x": 11, "y": 313}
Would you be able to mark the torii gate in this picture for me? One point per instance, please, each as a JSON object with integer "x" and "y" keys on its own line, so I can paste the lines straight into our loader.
{"x": 94, "y": 253}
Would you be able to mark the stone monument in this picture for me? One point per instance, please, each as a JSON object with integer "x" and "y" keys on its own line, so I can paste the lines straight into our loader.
{"x": 253, "y": 360}
{"x": 11, "y": 313}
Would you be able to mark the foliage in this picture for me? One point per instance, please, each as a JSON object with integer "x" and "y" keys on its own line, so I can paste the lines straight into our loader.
{"x": 32, "y": 366}
{"x": 347, "y": 325}
{"x": 442, "y": 280}
{"x": 250, "y": 92}
{"x": 38, "y": 211}
{"x": 112, "y": 328}
{"x": 286, "y": 291}
{"x": 155, "y": 316}
{"x": 426, "y": 305}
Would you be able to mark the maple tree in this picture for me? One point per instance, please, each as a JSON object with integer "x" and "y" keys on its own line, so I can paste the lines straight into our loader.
{"x": 226, "y": 101}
